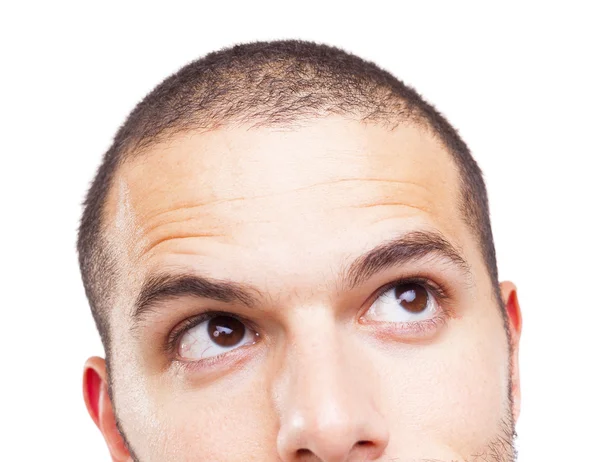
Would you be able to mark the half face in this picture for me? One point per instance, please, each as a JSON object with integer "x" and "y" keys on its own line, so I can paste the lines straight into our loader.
{"x": 305, "y": 294}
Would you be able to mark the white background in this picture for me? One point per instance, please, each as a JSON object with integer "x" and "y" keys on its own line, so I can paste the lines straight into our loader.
{"x": 519, "y": 80}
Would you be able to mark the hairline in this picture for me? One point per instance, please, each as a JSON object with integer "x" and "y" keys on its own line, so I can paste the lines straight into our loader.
{"x": 374, "y": 96}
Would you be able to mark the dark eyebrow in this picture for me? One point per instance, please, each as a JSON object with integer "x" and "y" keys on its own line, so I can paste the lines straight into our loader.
{"x": 395, "y": 252}
{"x": 409, "y": 247}
{"x": 161, "y": 287}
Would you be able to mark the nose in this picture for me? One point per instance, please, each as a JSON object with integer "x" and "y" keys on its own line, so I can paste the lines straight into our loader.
{"x": 327, "y": 401}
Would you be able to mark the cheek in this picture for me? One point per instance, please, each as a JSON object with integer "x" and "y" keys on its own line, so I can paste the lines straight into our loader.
{"x": 454, "y": 392}
{"x": 228, "y": 420}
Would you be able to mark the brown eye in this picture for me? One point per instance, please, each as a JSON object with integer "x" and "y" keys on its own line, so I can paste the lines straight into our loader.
{"x": 412, "y": 297}
{"x": 215, "y": 336}
{"x": 226, "y": 331}
{"x": 404, "y": 302}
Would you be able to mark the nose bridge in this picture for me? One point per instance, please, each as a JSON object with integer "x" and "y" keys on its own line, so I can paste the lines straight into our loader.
{"x": 321, "y": 386}
{"x": 327, "y": 407}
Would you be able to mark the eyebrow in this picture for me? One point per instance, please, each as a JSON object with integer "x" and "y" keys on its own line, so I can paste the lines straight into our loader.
{"x": 409, "y": 247}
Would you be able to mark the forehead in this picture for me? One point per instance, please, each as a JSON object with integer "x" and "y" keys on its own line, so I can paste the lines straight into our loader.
{"x": 280, "y": 199}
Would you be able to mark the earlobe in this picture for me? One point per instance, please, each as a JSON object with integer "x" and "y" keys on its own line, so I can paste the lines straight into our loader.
{"x": 513, "y": 311}
{"x": 99, "y": 406}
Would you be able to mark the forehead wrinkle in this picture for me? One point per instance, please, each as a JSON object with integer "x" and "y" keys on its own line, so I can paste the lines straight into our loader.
{"x": 421, "y": 201}
{"x": 153, "y": 244}
{"x": 420, "y": 208}
{"x": 177, "y": 215}
{"x": 386, "y": 193}
{"x": 164, "y": 229}
{"x": 190, "y": 207}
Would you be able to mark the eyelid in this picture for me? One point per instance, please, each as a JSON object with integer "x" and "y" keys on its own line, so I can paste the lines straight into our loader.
{"x": 438, "y": 290}
{"x": 441, "y": 293}
{"x": 178, "y": 331}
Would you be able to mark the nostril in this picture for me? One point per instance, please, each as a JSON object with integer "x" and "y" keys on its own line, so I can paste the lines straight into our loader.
{"x": 366, "y": 445}
{"x": 308, "y": 455}
{"x": 303, "y": 453}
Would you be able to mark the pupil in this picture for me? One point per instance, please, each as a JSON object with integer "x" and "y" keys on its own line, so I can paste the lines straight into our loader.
{"x": 412, "y": 297}
{"x": 226, "y": 331}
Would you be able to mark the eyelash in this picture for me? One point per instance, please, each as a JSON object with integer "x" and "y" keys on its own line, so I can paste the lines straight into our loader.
{"x": 438, "y": 291}
{"x": 183, "y": 327}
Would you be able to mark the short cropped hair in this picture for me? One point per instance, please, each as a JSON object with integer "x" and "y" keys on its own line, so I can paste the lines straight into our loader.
{"x": 264, "y": 84}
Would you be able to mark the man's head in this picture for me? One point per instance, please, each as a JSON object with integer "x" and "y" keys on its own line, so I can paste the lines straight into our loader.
{"x": 288, "y": 255}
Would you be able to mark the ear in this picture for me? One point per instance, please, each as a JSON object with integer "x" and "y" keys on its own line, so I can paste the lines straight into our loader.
{"x": 513, "y": 311}
{"x": 99, "y": 406}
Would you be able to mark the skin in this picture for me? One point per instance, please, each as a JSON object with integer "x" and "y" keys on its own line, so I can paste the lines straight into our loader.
{"x": 285, "y": 211}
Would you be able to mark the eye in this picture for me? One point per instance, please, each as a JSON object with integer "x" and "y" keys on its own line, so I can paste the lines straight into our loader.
{"x": 214, "y": 336}
{"x": 404, "y": 303}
